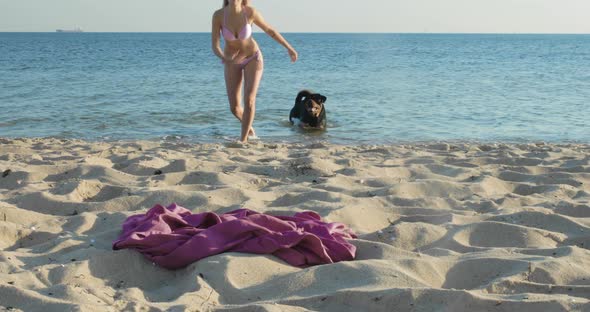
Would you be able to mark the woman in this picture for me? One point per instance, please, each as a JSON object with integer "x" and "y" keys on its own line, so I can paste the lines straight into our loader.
{"x": 242, "y": 57}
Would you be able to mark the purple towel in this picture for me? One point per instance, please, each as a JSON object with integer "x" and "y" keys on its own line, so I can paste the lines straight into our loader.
{"x": 173, "y": 237}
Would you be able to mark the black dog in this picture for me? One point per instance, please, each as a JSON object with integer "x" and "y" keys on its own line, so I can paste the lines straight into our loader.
{"x": 309, "y": 110}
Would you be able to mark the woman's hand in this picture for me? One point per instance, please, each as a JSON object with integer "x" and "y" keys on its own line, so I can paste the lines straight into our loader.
{"x": 293, "y": 55}
{"x": 228, "y": 59}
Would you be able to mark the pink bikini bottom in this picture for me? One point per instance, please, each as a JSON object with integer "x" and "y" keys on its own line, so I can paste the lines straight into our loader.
{"x": 242, "y": 64}
{"x": 250, "y": 58}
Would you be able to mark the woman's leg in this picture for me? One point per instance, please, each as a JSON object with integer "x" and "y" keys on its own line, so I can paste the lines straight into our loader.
{"x": 233, "y": 84}
{"x": 252, "y": 75}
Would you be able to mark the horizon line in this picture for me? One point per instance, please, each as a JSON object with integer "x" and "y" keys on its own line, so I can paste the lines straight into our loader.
{"x": 295, "y": 32}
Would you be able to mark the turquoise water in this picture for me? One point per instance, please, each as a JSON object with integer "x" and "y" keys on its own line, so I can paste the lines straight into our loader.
{"x": 381, "y": 88}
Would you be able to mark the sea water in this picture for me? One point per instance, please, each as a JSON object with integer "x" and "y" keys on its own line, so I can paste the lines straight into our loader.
{"x": 381, "y": 88}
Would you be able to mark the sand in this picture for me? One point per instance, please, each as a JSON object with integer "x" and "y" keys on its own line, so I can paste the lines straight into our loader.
{"x": 442, "y": 226}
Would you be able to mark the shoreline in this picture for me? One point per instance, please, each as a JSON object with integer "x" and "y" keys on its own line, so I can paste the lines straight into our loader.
{"x": 441, "y": 225}
{"x": 175, "y": 139}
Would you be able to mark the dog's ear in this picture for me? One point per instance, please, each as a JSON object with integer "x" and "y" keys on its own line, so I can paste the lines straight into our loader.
{"x": 302, "y": 96}
{"x": 319, "y": 98}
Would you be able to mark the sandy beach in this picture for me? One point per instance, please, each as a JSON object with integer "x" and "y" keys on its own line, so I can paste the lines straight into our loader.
{"x": 441, "y": 226}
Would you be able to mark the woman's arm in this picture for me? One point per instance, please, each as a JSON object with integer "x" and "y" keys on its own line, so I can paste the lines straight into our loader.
{"x": 215, "y": 36}
{"x": 260, "y": 22}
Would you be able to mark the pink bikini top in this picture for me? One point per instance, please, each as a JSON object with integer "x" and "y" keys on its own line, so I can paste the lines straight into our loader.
{"x": 244, "y": 34}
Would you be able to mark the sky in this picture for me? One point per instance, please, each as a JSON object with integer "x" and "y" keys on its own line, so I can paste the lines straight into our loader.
{"x": 399, "y": 16}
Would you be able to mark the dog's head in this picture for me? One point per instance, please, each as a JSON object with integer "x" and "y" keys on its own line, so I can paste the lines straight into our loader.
{"x": 314, "y": 104}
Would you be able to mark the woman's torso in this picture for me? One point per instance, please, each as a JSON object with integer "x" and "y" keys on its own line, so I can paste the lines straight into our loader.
{"x": 237, "y": 25}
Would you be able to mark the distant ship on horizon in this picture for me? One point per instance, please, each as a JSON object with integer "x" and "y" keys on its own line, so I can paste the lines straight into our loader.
{"x": 75, "y": 30}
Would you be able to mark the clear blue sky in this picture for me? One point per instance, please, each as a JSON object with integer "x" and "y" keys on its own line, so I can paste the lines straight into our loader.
{"x": 497, "y": 16}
